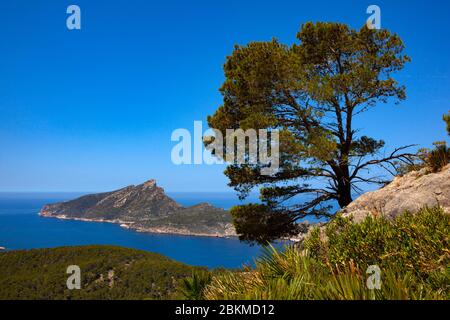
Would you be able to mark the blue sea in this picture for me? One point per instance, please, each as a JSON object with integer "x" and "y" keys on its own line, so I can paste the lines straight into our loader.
{"x": 22, "y": 228}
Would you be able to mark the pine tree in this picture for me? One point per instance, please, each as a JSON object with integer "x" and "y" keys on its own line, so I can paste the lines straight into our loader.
{"x": 310, "y": 91}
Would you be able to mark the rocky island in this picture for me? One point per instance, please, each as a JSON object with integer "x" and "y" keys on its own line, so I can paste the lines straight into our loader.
{"x": 145, "y": 208}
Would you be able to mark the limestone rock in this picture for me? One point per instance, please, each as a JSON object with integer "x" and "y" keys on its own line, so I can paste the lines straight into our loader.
{"x": 410, "y": 192}
{"x": 145, "y": 207}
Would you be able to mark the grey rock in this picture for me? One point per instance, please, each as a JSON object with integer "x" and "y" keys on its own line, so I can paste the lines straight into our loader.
{"x": 411, "y": 192}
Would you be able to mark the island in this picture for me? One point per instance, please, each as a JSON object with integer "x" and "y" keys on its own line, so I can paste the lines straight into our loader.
{"x": 145, "y": 208}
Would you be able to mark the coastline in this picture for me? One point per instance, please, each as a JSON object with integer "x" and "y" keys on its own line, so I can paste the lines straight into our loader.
{"x": 129, "y": 225}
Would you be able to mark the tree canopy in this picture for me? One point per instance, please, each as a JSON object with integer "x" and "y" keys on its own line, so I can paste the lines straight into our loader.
{"x": 309, "y": 91}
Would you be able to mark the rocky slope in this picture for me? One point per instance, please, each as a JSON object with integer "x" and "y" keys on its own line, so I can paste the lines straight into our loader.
{"x": 145, "y": 208}
{"x": 409, "y": 192}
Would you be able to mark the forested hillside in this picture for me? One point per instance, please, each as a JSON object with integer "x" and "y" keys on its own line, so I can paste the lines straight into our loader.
{"x": 107, "y": 272}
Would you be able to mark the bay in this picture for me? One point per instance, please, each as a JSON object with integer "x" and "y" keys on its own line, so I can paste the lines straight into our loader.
{"x": 22, "y": 228}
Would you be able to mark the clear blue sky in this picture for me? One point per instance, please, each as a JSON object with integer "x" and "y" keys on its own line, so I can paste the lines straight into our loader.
{"x": 94, "y": 109}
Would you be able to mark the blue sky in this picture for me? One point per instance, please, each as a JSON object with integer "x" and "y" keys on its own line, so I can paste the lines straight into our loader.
{"x": 94, "y": 109}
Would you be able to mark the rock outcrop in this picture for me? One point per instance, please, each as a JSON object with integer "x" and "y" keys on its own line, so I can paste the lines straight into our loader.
{"x": 410, "y": 192}
{"x": 145, "y": 208}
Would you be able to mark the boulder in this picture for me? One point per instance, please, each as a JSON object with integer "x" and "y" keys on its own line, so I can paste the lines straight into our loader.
{"x": 411, "y": 192}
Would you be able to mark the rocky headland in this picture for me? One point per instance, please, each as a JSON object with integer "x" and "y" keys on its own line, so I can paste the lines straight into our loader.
{"x": 145, "y": 208}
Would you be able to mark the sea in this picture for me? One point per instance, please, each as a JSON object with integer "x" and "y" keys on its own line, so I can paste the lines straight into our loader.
{"x": 22, "y": 228}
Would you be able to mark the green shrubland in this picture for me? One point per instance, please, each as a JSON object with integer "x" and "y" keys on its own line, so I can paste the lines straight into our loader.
{"x": 107, "y": 272}
{"x": 412, "y": 252}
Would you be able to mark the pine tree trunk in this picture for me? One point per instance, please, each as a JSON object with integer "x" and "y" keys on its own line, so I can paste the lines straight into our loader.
{"x": 344, "y": 193}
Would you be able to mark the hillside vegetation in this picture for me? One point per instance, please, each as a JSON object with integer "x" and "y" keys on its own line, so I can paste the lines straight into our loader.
{"x": 411, "y": 251}
{"x": 107, "y": 272}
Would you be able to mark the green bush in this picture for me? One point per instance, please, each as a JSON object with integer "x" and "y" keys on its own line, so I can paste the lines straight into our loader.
{"x": 305, "y": 279}
{"x": 416, "y": 243}
{"x": 192, "y": 288}
{"x": 411, "y": 251}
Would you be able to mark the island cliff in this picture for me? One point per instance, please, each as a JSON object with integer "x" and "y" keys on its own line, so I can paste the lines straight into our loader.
{"x": 145, "y": 208}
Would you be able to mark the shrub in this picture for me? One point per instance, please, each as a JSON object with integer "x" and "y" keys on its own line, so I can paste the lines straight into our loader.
{"x": 446, "y": 119}
{"x": 192, "y": 288}
{"x": 415, "y": 242}
{"x": 411, "y": 251}
{"x": 434, "y": 159}
{"x": 437, "y": 158}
